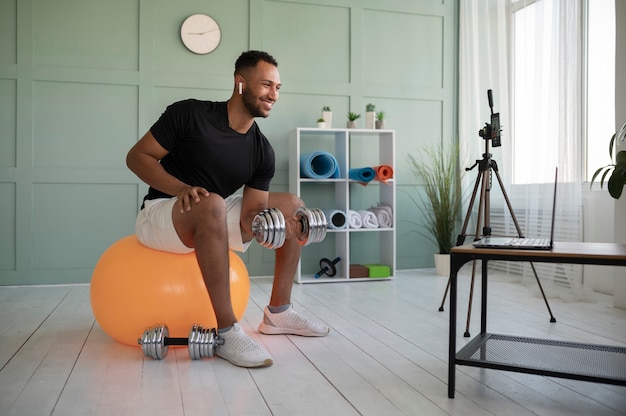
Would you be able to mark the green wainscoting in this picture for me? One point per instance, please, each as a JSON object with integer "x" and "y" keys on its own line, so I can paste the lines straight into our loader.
{"x": 82, "y": 80}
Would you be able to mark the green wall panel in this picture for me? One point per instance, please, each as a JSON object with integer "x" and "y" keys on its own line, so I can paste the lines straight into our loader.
{"x": 313, "y": 40}
{"x": 413, "y": 43}
{"x": 8, "y": 32}
{"x": 7, "y": 226}
{"x": 86, "y": 33}
{"x": 8, "y": 114}
{"x": 73, "y": 224}
{"x": 83, "y": 125}
{"x": 82, "y": 80}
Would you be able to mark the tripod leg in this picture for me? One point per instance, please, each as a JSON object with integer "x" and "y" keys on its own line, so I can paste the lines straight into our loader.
{"x": 445, "y": 294}
{"x": 552, "y": 318}
{"x": 461, "y": 237}
{"x": 471, "y": 297}
{"x": 519, "y": 233}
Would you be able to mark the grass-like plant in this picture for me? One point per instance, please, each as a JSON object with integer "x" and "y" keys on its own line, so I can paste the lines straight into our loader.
{"x": 353, "y": 116}
{"x": 440, "y": 201}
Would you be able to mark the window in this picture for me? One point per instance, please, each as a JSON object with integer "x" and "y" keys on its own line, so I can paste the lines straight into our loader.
{"x": 600, "y": 83}
{"x": 563, "y": 63}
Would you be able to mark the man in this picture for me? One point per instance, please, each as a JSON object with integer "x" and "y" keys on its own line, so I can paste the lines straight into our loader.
{"x": 194, "y": 158}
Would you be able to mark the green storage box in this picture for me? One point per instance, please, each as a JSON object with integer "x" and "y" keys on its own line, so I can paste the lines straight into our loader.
{"x": 378, "y": 270}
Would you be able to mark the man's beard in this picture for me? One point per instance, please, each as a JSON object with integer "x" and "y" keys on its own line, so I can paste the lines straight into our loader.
{"x": 249, "y": 101}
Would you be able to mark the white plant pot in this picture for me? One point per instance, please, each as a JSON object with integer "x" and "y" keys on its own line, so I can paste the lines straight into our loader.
{"x": 442, "y": 264}
{"x": 321, "y": 124}
{"x": 328, "y": 118}
{"x": 370, "y": 116}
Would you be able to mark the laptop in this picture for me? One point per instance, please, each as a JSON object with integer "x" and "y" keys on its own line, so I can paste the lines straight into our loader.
{"x": 523, "y": 243}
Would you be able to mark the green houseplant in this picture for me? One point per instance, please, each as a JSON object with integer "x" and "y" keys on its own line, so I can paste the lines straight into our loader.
{"x": 440, "y": 202}
{"x": 352, "y": 118}
{"x": 380, "y": 120}
{"x": 617, "y": 168}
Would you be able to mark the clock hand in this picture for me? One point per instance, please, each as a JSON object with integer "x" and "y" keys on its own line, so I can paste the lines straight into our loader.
{"x": 201, "y": 33}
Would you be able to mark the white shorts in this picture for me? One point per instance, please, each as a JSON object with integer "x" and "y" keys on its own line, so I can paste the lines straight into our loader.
{"x": 155, "y": 229}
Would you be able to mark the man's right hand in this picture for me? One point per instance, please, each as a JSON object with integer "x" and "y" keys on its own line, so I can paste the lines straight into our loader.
{"x": 190, "y": 195}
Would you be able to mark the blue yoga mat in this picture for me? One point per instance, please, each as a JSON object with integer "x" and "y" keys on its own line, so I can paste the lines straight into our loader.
{"x": 362, "y": 174}
{"x": 318, "y": 165}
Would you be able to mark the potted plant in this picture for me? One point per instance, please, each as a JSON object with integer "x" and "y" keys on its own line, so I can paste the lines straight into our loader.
{"x": 380, "y": 120}
{"x": 440, "y": 200}
{"x": 327, "y": 115}
{"x": 321, "y": 123}
{"x": 370, "y": 115}
{"x": 617, "y": 168}
{"x": 352, "y": 118}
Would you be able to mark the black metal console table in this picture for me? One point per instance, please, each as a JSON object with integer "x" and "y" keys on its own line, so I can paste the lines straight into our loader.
{"x": 579, "y": 361}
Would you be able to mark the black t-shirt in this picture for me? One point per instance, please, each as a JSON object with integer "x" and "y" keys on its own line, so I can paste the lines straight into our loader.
{"x": 204, "y": 151}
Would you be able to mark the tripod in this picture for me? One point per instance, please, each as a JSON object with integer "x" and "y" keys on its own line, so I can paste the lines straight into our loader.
{"x": 486, "y": 166}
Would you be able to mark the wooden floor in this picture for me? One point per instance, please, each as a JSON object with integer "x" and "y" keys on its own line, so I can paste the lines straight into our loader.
{"x": 386, "y": 355}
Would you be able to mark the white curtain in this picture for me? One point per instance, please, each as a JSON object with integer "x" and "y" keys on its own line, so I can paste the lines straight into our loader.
{"x": 530, "y": 54}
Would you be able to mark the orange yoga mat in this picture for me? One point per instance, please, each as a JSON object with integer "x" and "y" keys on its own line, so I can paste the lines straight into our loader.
{"x": 383, "y": 173}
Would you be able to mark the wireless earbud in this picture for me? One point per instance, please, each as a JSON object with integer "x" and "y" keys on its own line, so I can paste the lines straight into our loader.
{"x": 241, "y": 88}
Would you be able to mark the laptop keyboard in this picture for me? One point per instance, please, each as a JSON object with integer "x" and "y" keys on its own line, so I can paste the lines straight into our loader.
{"x": 530, "y": 242}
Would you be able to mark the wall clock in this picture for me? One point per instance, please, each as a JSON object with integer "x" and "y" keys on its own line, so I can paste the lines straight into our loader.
{"x": 200, "y": 33}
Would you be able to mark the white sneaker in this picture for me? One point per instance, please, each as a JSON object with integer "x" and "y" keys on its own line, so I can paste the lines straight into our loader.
{"x": 291, "y": 322}
{"x": 241, "y": 350}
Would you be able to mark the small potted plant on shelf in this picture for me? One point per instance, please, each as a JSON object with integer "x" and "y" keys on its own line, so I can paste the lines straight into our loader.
{"x": 440, "y": 199}
{"x": 321, "y": 123}
{"x": 327, "y": 115}
{"x": 617, "y": 167}
{"x": 370, "y": 115}
{"x": 380, "y": 120}
{"x": 352, "y": 118}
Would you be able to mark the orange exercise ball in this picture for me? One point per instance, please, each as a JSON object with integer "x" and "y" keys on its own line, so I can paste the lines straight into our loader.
{"x": 134, "y": 287}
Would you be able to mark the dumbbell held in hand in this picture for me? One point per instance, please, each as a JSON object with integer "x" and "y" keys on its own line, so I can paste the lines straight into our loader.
{"x": 202, "y": 342}
{"x": 269, "y": 227}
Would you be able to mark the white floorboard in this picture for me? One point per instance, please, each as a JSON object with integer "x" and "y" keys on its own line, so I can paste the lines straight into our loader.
{"x": 386, "y": 355}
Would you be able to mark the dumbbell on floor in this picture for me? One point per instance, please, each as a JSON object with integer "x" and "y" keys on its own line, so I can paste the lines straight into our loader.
{"x": 269, "y": 230}
{"x": 202, "y": 342}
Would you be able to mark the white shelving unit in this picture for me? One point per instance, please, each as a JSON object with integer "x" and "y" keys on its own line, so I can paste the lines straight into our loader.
{"x": 352, "y": 148}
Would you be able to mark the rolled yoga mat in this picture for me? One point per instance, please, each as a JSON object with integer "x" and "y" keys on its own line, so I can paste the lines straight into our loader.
{"x": 363, "y": 175}
{"x": 336, "y": 219}
{"x": 318, "y": 165}
{"x": 383, "y": 173}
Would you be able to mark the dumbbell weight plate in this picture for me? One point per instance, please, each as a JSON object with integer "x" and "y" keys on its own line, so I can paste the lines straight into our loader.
{"x": 322, "y": 225}
{"x": 202, "y": 342}
{"x": 280, "y": 233}
{"x": 314, "y": 225}
{"x": 261, "y": 228}
{"x": 271, "y": 228}
{"x": 153, "y": 342}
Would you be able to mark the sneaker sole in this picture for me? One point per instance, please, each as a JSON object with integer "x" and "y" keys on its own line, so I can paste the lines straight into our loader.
{"x": 273, "y": 330}
{"x": 268, "y": 362}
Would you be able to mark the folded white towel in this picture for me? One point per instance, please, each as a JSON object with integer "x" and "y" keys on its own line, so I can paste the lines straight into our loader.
{"x": 369, "y": 219}
{"x": 384, "y": 215}
{"x": 354, "y": 219}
